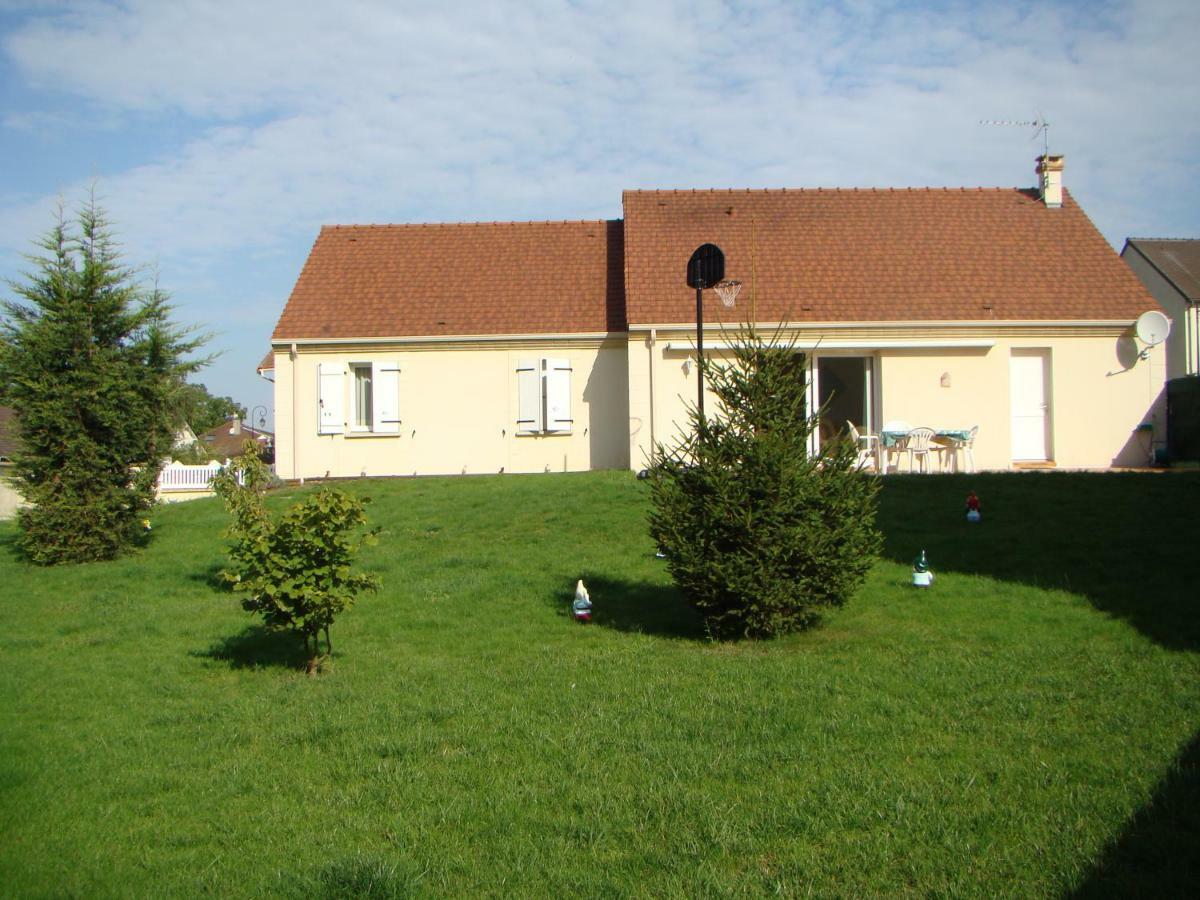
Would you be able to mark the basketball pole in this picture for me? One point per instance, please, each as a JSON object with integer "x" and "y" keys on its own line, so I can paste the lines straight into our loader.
{"x": 700, "y": 344}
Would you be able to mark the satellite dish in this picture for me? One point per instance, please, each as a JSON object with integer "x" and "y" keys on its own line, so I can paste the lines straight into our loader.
{"x": 1152, "y": 327}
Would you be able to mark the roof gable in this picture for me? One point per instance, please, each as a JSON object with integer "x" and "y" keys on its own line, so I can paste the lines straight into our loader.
{"x": 1177, "y": 260}
{"x": 363, "y": 281}
{"x": 877, "y": 256}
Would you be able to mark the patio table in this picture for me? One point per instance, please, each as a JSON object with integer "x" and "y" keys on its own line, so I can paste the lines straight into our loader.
{"x": 892, "y": 438}
{"x": 950, "y": 437}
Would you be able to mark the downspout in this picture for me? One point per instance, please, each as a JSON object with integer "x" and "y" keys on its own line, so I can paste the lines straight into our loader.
{"x": 650, "y": 349}
{"x": 292, "y": 355}
{"x": 1193, "y": 337}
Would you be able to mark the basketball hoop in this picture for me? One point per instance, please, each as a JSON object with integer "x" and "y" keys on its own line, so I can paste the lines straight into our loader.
{"x": 728, "y": 292}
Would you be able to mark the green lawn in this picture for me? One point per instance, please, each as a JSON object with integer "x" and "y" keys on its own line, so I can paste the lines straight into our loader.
{"x": 1027, "y": 727}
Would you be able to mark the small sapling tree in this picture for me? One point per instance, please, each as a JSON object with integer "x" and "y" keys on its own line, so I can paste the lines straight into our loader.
{"x": 759, "y": 535}
{"x": 295, "y": 570}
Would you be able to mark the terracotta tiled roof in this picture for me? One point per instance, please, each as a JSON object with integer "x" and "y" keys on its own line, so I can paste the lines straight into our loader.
{"x": 267, "y": 362}
{"x": 464, "y": 279}
{"x": 877, "y": 255}
{"x": 222, "y": 443}
{"x": 1177, "y": 260}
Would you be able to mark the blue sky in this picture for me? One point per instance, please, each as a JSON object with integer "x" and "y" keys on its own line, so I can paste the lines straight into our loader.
{"x": 221, "y": 135}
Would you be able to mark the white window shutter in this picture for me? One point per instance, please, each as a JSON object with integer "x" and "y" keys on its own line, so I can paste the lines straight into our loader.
{"x": 331, "y": 398}
{"x": 558, "y": 395}
{"x": 529, "y": 396}
{"x": 385, "y": 382}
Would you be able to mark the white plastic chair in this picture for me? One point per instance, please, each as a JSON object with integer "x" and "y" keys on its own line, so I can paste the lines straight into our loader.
{"x": 896, "y": 450}
{"x": 967, "y": 448}
{"x": 916, "y": 445}
{"x": 868, "y": 447}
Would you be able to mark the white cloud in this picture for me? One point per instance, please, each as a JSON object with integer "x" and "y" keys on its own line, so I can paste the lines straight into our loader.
{"x": 293, "y": 115}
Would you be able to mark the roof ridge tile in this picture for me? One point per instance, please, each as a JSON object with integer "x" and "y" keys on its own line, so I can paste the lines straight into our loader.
{"x": 412, "y": 226}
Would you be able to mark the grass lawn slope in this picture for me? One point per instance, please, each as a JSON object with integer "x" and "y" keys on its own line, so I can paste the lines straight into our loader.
{"x": 1027, "y": 727}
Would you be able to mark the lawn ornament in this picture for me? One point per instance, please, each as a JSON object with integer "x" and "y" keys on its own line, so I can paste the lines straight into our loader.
{"x": 921, "y": 576}
{"x": 582, "y": 605}
{"x": 973, "y": 513}
{"x": 145, "y": 524}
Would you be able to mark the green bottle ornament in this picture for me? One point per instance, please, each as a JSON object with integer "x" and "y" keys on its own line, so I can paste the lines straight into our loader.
{"x": 921, "y": 576}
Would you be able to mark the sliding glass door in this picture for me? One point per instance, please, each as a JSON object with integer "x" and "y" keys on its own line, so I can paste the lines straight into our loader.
{"x": 842, "y": 387}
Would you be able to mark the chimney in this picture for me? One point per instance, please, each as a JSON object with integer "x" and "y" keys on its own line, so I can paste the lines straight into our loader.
{"x": 1049, "y": 170}
{"x": 235, "y": 425}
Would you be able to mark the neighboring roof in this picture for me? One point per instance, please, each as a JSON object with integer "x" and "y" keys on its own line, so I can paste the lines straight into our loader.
{"x": 1177, "y": 260}
{"x": 268, "y": 362}
{"x": 466, "y": 279}
{"x": 223, "y": 444}
{"x": 877, "y": 256}
{"x": 8, "y": 432}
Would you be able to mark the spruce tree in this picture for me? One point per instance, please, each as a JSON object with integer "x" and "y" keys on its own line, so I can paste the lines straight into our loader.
{"x": 91, "y": 362}
{"x": 760, "y": 535}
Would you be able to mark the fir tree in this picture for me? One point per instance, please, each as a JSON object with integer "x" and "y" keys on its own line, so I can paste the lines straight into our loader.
{"x": 759, "y": 535}
{"x": 91, "y": 362}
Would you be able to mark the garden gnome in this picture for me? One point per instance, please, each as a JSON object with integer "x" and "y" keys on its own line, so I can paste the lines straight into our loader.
{"x": 582, "y": 606}
{"x": 973, "y": 514}
{"x": 921, "y": 576}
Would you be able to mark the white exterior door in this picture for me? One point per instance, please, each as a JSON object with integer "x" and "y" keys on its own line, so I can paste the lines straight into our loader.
{"x": 1028, "y": 391}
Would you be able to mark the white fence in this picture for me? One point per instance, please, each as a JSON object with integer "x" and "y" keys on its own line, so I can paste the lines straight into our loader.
{"x": 175, "y": 476}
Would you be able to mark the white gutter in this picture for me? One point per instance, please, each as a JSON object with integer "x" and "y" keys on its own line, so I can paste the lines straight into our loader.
{"x": 909, "y": 323}
{"x": 818, "y": 344}
{"x": 450, "y": 339}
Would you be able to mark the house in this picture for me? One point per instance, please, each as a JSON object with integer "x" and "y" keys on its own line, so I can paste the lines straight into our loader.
{"x": 227, "y": 439}
{"x": 1170, "y": 269}
{"x": 8, "y": 434}
{"x": 184, "y": 438}
{"x": 10, "y": 499}
{"x": 565, "y": 346}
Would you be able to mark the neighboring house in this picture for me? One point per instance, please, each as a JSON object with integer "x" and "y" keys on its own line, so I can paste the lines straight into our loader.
{"x": 564, "y": 346}
{"x": 8, "y": 434}
{"x": 179, "y": 481}
{"x": 10, "y": 500}
{"x": 226, "y": 440}
{"x": 1170, "y": 269}
{"x": 185, "y": 438}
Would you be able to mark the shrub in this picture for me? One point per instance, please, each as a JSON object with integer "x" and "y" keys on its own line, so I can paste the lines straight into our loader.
{"x": 760, "y": 536}
{"x": 295, "y": 570}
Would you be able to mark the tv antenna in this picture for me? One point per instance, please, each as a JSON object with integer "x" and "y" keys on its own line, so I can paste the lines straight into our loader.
{"x": 1038, "y": 124}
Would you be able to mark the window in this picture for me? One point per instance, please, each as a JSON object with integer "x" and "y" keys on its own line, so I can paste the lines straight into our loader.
{"x": 375, "y": 401}
{"x": 544, "y": 396}
{"x": 362, "y": 396}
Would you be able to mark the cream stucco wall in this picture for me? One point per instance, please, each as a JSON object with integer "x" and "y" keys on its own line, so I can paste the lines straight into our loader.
{"x": 956, "y": 377}
{"x": 458, "y": 410}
